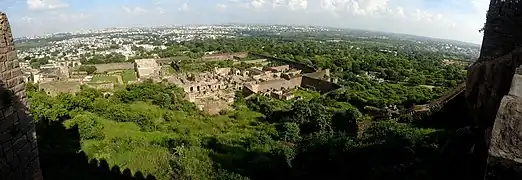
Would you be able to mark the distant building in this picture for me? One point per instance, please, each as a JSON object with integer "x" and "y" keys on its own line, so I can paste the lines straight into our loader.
{"x": 147, "y": 68}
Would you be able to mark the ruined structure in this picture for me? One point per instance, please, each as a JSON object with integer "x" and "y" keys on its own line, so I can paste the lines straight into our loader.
{"x": 277, "y": 87}
{"x": 215, "y": 91}
{"x": 147, "y": 68}
{"x": 224, "y": 56}
{"x": 211, "y": 91}
{"x": 490, "y": 79}
{"x": 70, "y": 63}
{"x": 18, "y": 148}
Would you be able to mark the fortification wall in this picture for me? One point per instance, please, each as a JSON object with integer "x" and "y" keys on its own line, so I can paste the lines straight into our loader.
{"x": 305, "y": 68}
{"x": 502, "y": 29}
{"x": 279, "y": 84}
{"x": 320, "y": 85}
{"x": 18, "y": 148}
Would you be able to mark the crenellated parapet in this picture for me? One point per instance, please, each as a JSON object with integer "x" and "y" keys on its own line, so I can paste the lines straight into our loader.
{"x": 18, "y": 147}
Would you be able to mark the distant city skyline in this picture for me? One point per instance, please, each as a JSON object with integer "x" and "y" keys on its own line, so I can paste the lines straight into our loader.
{"x": 446, "y": 19}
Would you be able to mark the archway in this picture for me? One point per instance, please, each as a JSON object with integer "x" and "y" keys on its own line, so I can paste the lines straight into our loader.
{"x": 191, "y": 89}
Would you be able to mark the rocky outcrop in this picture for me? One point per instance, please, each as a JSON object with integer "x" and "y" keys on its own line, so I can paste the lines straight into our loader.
{"x": 506, "y": 137}
{"x": 18, "y": 148}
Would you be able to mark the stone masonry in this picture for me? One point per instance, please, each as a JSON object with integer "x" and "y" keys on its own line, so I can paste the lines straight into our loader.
{"x": 18, "y": 148}
{"x": 490, "y": 80}
{"x": 502, "y": 29}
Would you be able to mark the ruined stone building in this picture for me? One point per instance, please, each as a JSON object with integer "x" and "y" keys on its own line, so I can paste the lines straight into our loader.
{"x": 281, "y": 86}
{"x": 18, "y": 148}
{"x": 147, "y": 68}
{"x": 70, "y": 63}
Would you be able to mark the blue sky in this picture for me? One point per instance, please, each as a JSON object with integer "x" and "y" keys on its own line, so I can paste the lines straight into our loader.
{"x": 449, "y": 19}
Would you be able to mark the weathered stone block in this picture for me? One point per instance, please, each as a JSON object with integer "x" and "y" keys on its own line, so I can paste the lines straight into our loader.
{"x": 5, "y": 137}
{"x": 34, "y": 153}
{"x": 18, "y": 89}
{"x": 6, "y": 76}
{"x": 11, "y": 56}
{"x": 5, "y": 172}
{"x": 4, "y": 50}
{"x": 19, "y": 143}
{"x": 16, "y": 70}
{"x": 13, "y": 82}
{"x": 506, "y": 137}
{"x": 9, "y": 155}
{"x": 6, "y": 124}
{"x": 8, "y": 112}
{"x": 3, "y": 163}
{"x": 516, "y": 86}
{"x": 9, "y": 63}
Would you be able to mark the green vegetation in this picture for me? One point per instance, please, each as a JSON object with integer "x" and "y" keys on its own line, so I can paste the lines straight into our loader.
{"x": 89, "y": 69}
{"x": 37, "y": 62}
{"x": 93, "y": 58}
{"x": 128, "y": 75}
{"x": 306, "y": 94}
{"x": 113, "y": 79}
{"x": 151, "y": 128}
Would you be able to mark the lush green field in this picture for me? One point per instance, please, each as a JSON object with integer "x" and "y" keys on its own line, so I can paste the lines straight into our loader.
{"x": 128, "y": 75}
{"x": 113, "y": 79}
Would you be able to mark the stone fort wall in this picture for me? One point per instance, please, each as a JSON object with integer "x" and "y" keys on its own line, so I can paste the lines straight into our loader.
{"x": 502, "y": 30}
{"x": 18, "y": 148}
{"x": 293, "y": 64}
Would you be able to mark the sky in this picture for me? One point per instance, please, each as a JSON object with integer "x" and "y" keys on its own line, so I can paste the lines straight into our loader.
{"x": 447, "y": 19}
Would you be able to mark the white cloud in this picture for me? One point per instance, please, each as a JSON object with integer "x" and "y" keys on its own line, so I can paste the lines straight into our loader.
{"x": 45, "y": 4}
{"x": 297, "y": 4}
{"x": 221, "y": 6}
{"x": 76, "y": 17}
{"x": 160, "y": 10}
{"x": 134, "y": 10}
{"x": 184, "y": 7}
{"x": 27, "y": 19}
{"x": 258, "y": 3}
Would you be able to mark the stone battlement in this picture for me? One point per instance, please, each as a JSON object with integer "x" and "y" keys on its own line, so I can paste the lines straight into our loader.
{"x": 18, "y": 148}
{"x": 501, "y": 32}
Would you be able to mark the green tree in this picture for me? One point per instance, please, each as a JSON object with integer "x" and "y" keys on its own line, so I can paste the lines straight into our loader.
{"x": 88, "y": 69}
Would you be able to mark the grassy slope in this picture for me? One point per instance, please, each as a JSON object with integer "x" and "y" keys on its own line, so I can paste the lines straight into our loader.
{"x": 128, "y": 147}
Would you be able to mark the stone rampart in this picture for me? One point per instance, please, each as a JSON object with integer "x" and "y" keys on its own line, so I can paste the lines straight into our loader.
{"x": 502, "y": 30}
{"x": 279, "y": 85}
{"x": 18, "y": 148}
{"x": 305, "y": 68}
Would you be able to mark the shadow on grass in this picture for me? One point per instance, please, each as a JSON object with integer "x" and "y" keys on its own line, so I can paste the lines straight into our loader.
{"x": 61, "y": 157}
